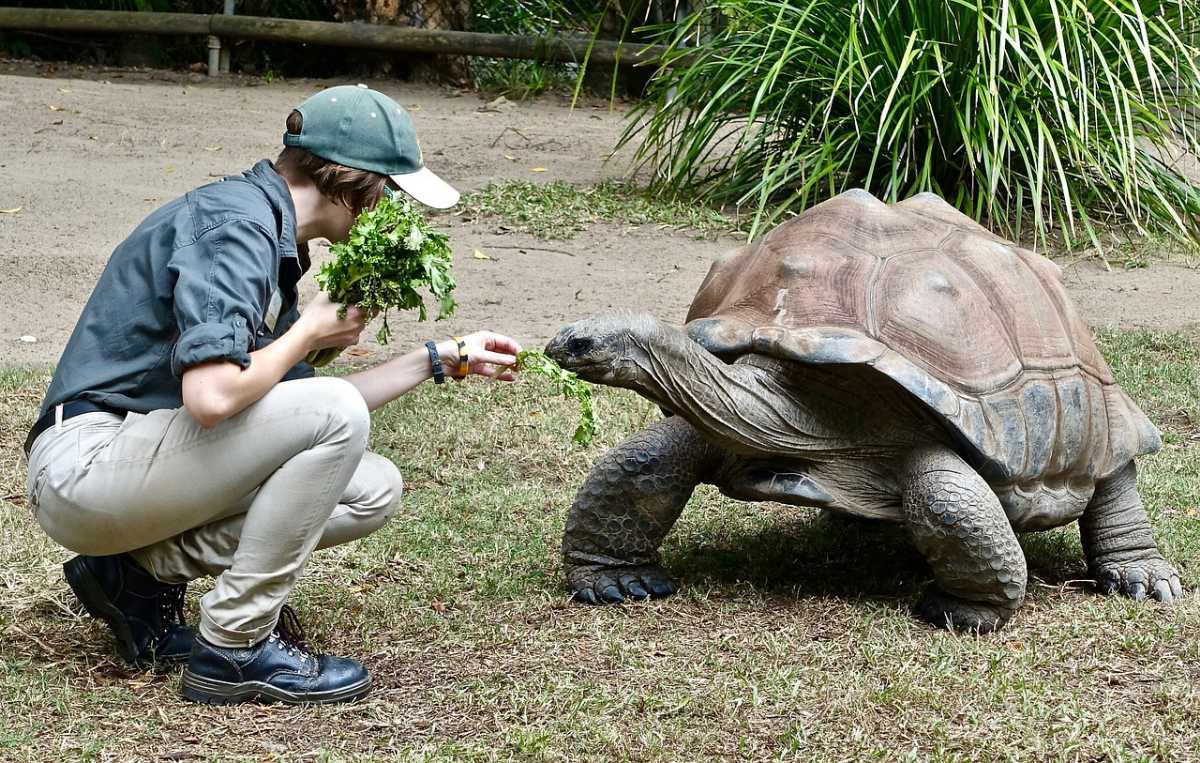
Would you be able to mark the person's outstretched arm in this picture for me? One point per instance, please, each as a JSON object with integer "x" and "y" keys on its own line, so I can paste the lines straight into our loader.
{"x": 489, "y": 354}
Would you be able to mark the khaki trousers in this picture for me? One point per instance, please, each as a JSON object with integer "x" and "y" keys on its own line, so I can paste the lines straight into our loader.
{"x": 246, "y": 501}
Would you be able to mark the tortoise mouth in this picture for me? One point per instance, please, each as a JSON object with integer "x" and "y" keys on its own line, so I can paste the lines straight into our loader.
{"x": 593, "y": 371}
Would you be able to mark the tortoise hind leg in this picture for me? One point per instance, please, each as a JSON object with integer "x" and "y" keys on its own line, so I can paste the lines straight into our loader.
{"x": 626, "y": 506}
{"x": 1117, "y": 541}
{"x": 958, "y": 524}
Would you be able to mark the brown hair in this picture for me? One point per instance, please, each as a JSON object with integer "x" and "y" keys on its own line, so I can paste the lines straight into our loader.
{"x": 357, "y": 189}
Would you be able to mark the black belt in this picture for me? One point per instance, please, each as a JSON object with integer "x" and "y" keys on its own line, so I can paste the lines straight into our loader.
{"x": 69, "y": 410}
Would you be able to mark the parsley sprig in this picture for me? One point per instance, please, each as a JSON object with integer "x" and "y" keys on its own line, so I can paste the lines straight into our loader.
{"x": 568, "y": 385}
{"x": 391, "y": 253}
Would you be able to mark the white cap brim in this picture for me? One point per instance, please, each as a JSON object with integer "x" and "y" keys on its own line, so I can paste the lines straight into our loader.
{"x": 427, "y": 188}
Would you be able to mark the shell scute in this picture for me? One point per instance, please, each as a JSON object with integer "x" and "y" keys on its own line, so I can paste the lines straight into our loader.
{"x": 1039, "y": 406}
{"x": 952, "y": 332}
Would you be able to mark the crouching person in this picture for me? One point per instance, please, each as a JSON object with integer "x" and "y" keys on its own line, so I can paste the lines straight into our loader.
{"x": 183, "y": 436}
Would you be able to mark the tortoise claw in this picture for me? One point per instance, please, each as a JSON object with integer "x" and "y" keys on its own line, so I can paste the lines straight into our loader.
{"x": 1162, "y": 591}
{"x": 953, "y": 613}
{"x": 1109, "y": 581}
{"x": 633, "y": 587}
{"x": 662, "y": 587}
{"x": 1152, "y": 578}
{"x": 609, "y": 585}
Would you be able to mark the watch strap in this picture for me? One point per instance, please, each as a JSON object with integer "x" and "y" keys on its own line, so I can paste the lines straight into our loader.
{"x": 435, "y": 361}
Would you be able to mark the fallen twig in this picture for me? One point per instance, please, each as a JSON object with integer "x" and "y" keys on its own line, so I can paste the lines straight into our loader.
{"x": 535, "y": 248}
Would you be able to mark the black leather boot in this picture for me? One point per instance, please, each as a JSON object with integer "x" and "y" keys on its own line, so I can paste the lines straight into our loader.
{"x": 145, "y": 615}
{"x": 278, "y": 668}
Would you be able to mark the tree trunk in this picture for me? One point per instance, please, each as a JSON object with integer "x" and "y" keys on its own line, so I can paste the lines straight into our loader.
{"x": 421, "y": 14}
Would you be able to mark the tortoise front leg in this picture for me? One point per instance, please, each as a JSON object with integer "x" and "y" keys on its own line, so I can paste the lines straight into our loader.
{"x": 1117, "y": 541}
{"x": 625, "y": 508}
{"x": 957, "y": 522}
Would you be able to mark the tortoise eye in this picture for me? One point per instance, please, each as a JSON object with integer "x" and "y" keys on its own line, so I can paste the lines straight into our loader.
{"x": 579, "y": 345}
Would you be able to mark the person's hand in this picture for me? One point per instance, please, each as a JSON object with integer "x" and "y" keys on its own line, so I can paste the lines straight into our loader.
{"x": 323, "y": 328}
{"x": 488, "y": 353}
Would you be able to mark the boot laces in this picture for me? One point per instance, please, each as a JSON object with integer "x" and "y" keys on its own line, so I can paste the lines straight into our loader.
{"x": 289, "y": 634}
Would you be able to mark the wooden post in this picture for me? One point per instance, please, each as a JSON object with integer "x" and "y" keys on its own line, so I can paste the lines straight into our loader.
{"x": 214, "y": 55}
{"x": 225, "y": 48}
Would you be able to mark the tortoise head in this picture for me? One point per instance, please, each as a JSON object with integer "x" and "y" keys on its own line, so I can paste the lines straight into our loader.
{"x": 610, "y": 348}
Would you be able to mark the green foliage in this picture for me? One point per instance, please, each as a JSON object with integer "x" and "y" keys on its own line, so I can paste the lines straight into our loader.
{"x": 1042, "y": 115}
{"x": 520, "y": 79}
{"x": 567, "y": 384}
{"x": 391, "y": 253}
{"x": 560, "y": 210}
{"x": 15, "y": 45}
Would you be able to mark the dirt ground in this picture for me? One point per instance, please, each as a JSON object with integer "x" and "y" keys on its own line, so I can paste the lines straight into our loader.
{"x": 86, "y": 153}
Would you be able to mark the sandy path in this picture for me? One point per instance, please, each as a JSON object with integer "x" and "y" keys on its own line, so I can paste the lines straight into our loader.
{"x": 86, "y": 154}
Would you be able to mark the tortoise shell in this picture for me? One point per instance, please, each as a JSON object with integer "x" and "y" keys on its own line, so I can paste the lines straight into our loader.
{"x": 979, "y": 329}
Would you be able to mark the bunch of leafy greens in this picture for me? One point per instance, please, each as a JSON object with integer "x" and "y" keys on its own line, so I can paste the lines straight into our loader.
{"x": 391, "y": 252}
{"x": 568, "y": 385}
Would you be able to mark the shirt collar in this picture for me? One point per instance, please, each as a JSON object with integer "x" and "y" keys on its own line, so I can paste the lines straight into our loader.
{"x": 264, "y": 175}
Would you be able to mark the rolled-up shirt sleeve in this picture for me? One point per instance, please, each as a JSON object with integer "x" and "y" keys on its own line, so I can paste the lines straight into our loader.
{"x": 222, "y": 283}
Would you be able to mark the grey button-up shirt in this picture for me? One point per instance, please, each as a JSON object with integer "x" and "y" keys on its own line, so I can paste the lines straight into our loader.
{"x": 210, "y": 276}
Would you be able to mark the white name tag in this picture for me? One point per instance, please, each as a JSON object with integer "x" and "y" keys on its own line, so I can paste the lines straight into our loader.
{"x": 272, "y": 316}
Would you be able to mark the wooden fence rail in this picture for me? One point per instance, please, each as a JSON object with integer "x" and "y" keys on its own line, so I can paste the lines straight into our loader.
{"x": 345, "y": 35}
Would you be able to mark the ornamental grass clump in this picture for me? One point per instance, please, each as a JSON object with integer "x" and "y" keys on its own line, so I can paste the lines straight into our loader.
{"x": 1042, "y": 116}
{"x": 391, "y": 252}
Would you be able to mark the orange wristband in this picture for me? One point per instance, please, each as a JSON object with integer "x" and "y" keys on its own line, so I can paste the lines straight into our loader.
{"x": 464, "y": 362}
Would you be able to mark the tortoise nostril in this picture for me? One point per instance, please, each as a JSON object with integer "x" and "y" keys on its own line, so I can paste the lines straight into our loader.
{"x": 579, "y": 345}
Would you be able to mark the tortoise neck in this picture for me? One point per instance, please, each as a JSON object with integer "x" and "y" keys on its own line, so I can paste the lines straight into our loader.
{"x": 725, "y": 401}
{"x": 764, "y": 405}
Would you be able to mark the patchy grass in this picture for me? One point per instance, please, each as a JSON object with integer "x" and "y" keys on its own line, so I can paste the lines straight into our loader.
{"x": 519, "y": 79}
{"x": 790, "y": 639}
{"x": 1126, "y": 250}
{"x": 559, "y": 210}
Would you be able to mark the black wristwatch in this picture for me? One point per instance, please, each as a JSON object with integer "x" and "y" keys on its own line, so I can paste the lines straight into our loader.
{"x": 439, "y": 373}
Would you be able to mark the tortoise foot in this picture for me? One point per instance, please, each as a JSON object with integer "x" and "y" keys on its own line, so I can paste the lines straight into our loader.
{"x": 595, "y": 584}
{"x": 1137, "y": 579}
{"x": 950, "y": 612}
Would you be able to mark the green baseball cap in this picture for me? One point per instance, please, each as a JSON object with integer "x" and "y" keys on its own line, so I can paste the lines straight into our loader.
{"x": 362, "y": 128}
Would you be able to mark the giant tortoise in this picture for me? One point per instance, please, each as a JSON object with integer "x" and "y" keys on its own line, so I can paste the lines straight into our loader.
{"x": 896, "y": 362}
